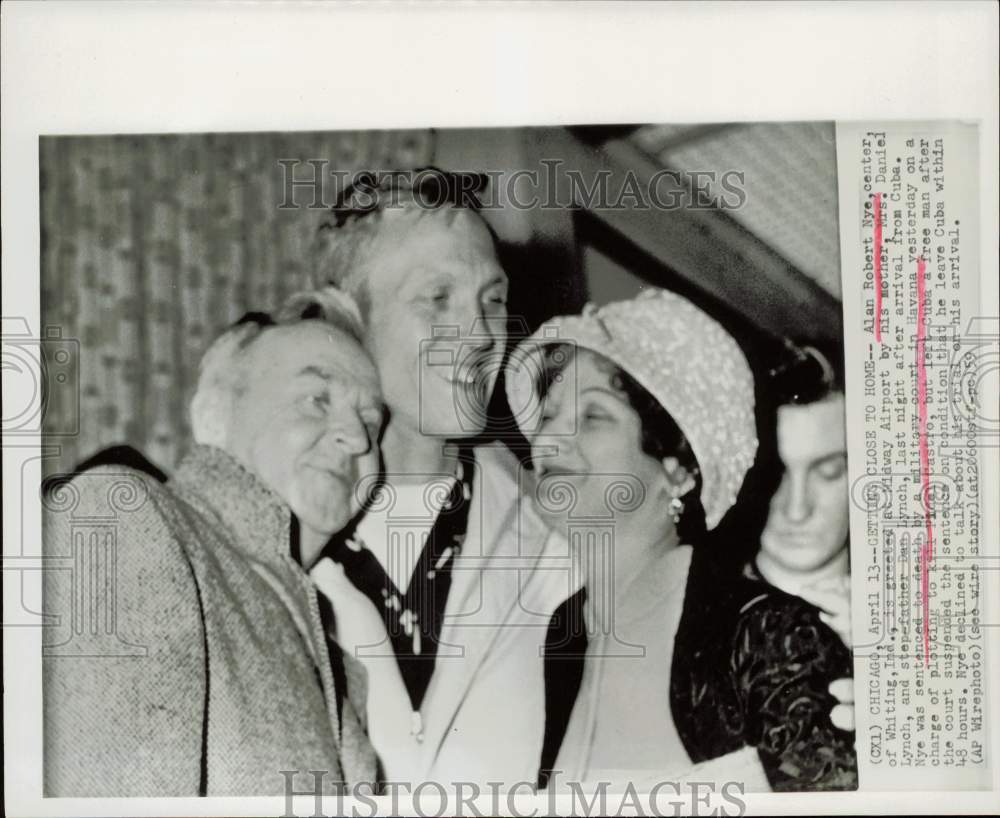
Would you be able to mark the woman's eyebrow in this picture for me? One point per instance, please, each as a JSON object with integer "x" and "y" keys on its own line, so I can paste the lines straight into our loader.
{"x": 606, "y": 390}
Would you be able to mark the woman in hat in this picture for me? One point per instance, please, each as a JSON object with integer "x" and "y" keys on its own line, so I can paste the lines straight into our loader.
{"x": 640, "y": 417}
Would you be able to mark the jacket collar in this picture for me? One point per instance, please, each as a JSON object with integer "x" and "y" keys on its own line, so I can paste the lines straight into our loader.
{"x": 259, "y": 521}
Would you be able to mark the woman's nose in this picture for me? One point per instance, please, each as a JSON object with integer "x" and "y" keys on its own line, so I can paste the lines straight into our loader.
{"x": 558, "y": 424}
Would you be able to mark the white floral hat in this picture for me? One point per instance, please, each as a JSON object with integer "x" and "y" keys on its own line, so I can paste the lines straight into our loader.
{"x": 683, "y": 358}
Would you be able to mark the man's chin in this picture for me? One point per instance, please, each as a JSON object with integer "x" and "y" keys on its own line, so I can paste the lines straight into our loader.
{"x": 328, "y": 513}
{"x": 466, "y": 415}
{"x": 323, "y": 526}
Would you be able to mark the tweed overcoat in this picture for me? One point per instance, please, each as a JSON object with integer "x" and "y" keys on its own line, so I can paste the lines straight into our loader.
{"x": 185, "y": 653}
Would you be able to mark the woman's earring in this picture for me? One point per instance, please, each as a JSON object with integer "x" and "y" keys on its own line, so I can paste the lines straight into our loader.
{"x": 676, "y": 510}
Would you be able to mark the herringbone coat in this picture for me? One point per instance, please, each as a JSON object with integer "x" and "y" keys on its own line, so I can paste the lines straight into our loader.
{"x": 186, "y": 654}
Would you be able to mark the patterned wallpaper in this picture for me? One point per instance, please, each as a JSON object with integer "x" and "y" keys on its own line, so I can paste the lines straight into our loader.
{"x": 153, "y": 244}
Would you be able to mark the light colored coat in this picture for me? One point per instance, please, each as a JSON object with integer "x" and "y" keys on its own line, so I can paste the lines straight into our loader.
{"x": 483, "y": 716}
{"x": 186, "y": 655}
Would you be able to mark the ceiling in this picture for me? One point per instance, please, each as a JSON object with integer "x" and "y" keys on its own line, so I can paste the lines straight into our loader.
{"x": 790, "y": 179}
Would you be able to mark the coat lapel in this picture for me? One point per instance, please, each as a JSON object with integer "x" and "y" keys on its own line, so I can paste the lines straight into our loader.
{"x": 485, "y": 592}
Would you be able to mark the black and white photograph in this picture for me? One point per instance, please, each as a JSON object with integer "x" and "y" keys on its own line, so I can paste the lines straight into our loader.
{"x": 507, "y": 455}
{"x": 500, "y": 408}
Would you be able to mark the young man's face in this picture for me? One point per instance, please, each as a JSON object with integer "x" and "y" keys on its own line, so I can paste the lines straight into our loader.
{"x": 437, "y": 319}
{"x": 807, "y": 527}
{"x": 307, "y": 420}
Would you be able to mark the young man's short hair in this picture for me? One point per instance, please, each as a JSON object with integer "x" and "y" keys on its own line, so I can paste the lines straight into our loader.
{"x": 351, "y": 224}
{"x": 810, "y": 371}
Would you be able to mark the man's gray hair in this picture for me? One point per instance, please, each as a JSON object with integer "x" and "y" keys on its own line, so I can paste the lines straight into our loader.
{"x": 222, "y": 371}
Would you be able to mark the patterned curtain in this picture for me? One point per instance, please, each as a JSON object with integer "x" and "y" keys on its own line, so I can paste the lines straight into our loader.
{"x": 151, "y": 245}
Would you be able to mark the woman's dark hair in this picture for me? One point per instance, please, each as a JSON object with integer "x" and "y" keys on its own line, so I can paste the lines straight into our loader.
{"x": 660, "y": 436}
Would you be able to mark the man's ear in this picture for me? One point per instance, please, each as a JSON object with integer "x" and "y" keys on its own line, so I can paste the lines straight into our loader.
{"x": 210, "y": 418}
{"x": 680, "y": 479}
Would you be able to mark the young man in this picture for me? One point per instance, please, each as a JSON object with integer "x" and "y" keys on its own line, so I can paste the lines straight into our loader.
{"x": 429, "y": 584}
{"x": 804, "y": 546}
{"x": 188, "y": 656}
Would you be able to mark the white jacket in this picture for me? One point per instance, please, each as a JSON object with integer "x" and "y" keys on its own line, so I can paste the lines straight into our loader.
{"x": 483, "y": 716}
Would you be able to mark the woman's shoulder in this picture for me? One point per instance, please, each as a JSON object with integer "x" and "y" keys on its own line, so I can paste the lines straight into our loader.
{"x": 777, "y": 627}
{"x": 756, "y": 618}
{"x": 753, "y": 668}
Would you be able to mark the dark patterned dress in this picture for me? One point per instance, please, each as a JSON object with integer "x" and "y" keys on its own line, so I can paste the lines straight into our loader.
{"x": 751, "y": 667}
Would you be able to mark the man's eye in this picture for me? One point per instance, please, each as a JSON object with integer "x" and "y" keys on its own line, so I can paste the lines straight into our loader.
{"x": 832, "y": 470}
{"x": 317, "y": 404}
{"x": 440, "y": 296}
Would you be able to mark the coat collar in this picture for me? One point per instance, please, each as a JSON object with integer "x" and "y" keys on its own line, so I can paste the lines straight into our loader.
{"x": 259, "y": 520}
{"x": 514, "y": 537}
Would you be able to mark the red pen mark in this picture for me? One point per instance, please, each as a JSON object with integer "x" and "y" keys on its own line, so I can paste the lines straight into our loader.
{"x": 877, "y": 215}
{"x": 927, "y": 549}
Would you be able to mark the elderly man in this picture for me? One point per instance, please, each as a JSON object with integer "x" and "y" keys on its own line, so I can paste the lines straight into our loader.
{"x": 219, "y": 676}
{"x": 430, "y": 585}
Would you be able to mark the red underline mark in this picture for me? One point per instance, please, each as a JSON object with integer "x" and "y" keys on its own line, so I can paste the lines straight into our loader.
{"x": 877, "y": 215}
{"x": 927, "y": 549}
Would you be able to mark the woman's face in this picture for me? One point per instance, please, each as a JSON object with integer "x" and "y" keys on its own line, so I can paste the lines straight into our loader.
{"x": 587, "y": 450}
